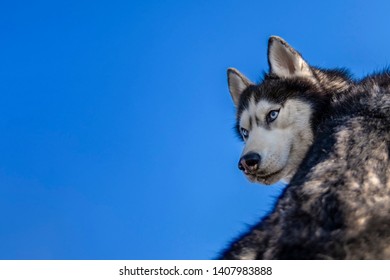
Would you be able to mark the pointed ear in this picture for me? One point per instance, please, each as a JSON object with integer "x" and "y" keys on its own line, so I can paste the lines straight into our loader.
{"x": 237, "y": 84}
{"x": 284, "y": 61}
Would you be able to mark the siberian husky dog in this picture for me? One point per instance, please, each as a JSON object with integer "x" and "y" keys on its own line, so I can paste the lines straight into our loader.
{"x": 333, "y": 133}
{"x": 279, "y": 117}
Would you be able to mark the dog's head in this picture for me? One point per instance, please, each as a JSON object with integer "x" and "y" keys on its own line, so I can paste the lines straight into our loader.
{"x": 277, "y": 117}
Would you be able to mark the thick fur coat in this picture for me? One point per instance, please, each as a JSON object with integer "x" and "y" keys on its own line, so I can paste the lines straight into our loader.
{"x": 337, "y": 205}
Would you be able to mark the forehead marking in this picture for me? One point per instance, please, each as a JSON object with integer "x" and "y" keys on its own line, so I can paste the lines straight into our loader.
{"x": 257, "y": 121}
{"x": 255, "y": 112}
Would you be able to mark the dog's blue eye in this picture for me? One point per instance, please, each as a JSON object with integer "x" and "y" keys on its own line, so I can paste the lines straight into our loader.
{"x": 272, "y": 115}
{"x": 244, "y": 133}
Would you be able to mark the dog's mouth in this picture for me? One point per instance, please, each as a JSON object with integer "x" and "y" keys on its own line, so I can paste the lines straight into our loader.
{"x": 270, "y": 178}
{"x": 267, "y": 179}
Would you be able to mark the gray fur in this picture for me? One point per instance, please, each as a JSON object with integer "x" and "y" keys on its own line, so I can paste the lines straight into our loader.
{"x": 337, "y": 205}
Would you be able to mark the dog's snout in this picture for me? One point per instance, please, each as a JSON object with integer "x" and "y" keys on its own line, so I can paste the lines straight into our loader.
{"x": 249, "y": 162}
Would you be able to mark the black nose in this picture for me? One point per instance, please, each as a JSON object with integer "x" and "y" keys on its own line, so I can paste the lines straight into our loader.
{"x": 249, "y": 162}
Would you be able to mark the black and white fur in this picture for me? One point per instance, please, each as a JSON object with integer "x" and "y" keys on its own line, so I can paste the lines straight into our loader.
{"x": 337, "y": 205}
{"x": 297, "y": 96}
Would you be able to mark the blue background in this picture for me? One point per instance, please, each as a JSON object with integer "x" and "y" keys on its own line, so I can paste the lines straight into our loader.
{"x": 116, "y": 122}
